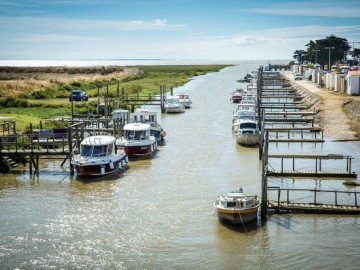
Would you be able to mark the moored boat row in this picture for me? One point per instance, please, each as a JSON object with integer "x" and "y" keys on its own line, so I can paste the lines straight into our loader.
{"x": 103, "y": 155}
{"x": 245, "y": 122}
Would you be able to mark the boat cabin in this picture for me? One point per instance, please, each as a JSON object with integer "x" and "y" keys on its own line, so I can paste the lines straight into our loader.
{"x": 173, "y": 100}
{"x": 183, "y": 96}
{"x": 137, "y": 131}
{"x": 122, "y": 115}
{"x": 145, "y": 116}
{"x": 97, "y": 146}
{"x": 245, "y": 115}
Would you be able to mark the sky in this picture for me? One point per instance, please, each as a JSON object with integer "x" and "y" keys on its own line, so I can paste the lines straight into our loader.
{"x": 171, "y": 29}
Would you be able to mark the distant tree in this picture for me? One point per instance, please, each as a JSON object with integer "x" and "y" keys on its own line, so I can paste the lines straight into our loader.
{"x": 319, "y": 47}
{"x": 355, "y": 55}
{"x": 299, "y": 55}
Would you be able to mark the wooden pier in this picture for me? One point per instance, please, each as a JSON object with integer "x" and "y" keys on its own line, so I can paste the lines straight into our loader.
{"x": 283, "y": 113}
{"x": 35, "y": 146}
{"x": 313, "y": 201}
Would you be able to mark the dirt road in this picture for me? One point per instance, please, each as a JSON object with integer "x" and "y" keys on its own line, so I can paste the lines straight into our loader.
{"x": 339, "y": 118}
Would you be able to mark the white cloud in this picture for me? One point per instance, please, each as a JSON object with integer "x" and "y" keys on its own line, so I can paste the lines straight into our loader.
{"x": 54, "y": 38}
{"x": 64, "y": 24}
{"x": 320, "y": 8}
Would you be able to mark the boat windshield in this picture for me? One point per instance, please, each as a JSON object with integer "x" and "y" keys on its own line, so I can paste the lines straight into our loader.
{"x": 94, "y": 150}
{"x": 135, "y": 134}
{"x": 231, "y": 204}
{"x": 172, "y": 101}
{"x": 247, "y": 125}
{"x": 149, "y": 119}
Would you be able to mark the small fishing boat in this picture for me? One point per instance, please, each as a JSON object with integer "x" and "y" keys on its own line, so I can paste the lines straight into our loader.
{"x": 149, "y": 117}
{"x": 98, "y": 156}
{"x": 237, "y": 95}
{"x": 137, "y": 141}
{"x": 123, "y": 116}
{"x": 247, "y": 78}
{"x": 173, "y": 105}
{"x": 248, "y": 132}
{"x": 184, "y": 100}
{"x": 236, "y": 208}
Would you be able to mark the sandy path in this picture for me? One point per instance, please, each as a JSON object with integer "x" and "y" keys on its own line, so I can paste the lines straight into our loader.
{"x": 334, "y": 121}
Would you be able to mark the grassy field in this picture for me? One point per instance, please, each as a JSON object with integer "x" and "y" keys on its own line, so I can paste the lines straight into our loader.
{"x": 31, "y": 95}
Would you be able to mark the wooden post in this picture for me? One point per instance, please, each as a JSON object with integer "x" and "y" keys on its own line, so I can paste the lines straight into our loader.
{"x": 336, "y": 197}
{"x": 70, "y": 149}
{"x": 279, "y": 191}
{"x": 264, "y": 180}
{"x": 72, "y": 108}
{"x": 97, "y": 108}
{"x": 30, "y": 162}
{"x": 355, "y": 198}
{"x": 117, "y": 98}
{"x": 287, "y": 195}
{"x": 37, "y": 164}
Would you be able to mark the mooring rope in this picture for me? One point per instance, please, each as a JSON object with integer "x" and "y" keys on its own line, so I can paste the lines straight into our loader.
{"x": 66, "y": 175}
{"x": 242, "y": 222}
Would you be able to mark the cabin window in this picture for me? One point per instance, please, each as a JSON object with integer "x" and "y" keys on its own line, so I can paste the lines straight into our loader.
{"x": 129, "y": 134}
{"x": 110, "y": 149}
{"x": 231, "y": 204}
{"x": 99, "y": 151}
{"x": 86, "y": 150}
{"x": 247, "y": 125}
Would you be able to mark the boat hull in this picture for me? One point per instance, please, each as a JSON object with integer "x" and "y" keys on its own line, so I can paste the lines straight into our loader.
{"x": 248, "y": 139}
{"x": 140, "y": 151}
{"x": 236, "y": 99}
{"x": 99, "y": 168}
{"x": 186, "y": 104}
{"x": 173, "y": 109}
{"x": 237, "y": 216}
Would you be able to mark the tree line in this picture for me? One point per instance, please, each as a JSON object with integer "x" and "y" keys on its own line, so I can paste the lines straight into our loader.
{"x": 337, "y": 48}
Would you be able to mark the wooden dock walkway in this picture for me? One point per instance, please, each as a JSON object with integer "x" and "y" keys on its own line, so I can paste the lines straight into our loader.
{"x": 290, "y": 121}
{"x": 313, "y": 208}
{"x": 296, "y": 140}
{"x": 313, "y": 201}
{"x": 308, "y": 173}
{"x": 290, "y": 128}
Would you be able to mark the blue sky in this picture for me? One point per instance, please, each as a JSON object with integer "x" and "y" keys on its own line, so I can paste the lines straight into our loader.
{"x": 171, "y": 29}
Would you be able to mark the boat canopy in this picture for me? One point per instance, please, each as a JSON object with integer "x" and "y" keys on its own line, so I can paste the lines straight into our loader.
{"x": 173, "y": 100}
{"x": 96, "y": 150}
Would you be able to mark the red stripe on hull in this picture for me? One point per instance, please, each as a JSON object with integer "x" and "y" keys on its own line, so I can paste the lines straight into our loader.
{"x": 95, "y": 170}
{"x": 143, "y": 150}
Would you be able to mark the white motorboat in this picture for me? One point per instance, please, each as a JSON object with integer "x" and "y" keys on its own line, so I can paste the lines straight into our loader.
{"x": 98, "y": 156}
{"x": 137, "y": 140}
{"x": 185, "y": 100}
{"x": 173, "y": 105}
{"x": 242, "y": 115}
{"x": 149, "y": 117}
{"x": 248, "y": 132}
{"x": 236, "y": 208}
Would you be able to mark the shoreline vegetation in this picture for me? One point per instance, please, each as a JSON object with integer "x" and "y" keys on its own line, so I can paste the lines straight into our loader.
{"x": 34, "y": 94}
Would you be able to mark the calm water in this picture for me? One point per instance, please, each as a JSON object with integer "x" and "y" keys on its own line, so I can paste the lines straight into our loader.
{"x": 159, "y": 214}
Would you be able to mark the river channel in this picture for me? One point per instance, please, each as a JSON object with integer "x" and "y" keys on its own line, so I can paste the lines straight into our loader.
{"x": 159, "y": 213}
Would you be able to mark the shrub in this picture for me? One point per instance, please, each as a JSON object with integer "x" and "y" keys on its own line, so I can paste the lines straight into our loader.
{"x": 11, "y": 102}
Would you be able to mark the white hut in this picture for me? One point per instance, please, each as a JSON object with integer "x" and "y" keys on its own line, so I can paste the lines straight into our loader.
{"x": 353, "y": 86}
